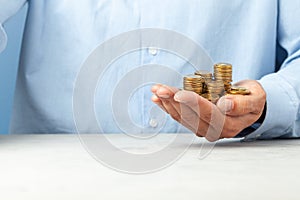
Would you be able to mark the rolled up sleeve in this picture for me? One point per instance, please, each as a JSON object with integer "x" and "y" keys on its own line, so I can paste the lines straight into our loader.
{"x": 283, "y": 88}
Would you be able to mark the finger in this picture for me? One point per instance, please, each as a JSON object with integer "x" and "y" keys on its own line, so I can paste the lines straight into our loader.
{"x": 158, "y": 102}
{"x": 199, "y": 105}
{"x": 166, "y": 106}
{"x": 155, "y": 99}
{"x": 206, "y": 111}
{"x": 181, "y": 113}
{"x": 190, "y": 116}
{"x": 177, "y": 116}
{"x": 164, "y": 91}
{"x": 155, "y": 87}
{"x": 171, "y": 110}
{"x": 191, "y": 120}
{"x": 165, "y": 94}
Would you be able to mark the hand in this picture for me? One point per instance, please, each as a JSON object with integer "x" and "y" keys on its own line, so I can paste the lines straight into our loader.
{"x": 230, "y": 116}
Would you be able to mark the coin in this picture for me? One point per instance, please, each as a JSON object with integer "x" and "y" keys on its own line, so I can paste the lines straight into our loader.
{"x": 223, "y": 66}
{"x": 223, "y": 75}
{"x": 205, "y": 74}
{"x": 239, "y": 90}
{"x": 215, "y": 83}
{"x": 193, "y": 77}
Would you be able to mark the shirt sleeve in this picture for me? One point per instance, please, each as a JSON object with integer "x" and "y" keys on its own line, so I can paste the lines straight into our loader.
{"x": 283, "y": 88}
{"x": 7, "y": 9}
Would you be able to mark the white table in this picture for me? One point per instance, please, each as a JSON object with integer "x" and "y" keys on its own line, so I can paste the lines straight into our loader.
{"x": 58, "y": 167}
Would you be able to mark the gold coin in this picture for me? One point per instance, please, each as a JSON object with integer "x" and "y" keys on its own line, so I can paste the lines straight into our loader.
{"x": 223, "y": 66}
{"x": 228, "y": 71}
{"x": 223, "y": 74}
{"x": 193, "y": 77}
{"x": 215, "y": 82}
{"x": 205, "y": 74}
{"x": 216, "y": 92}
{"x": 222, "y": 70}
{"x": 193, "y": 83}
{"x": 213, "y": 98}
{"x": 223, "y": 78}
{"x": 215, "y": 87}
{"x": 205, "y": 95}
{"x": 239, "y": 90}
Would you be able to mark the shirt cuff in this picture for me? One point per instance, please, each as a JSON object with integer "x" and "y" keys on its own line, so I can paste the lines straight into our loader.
{"x": 3, "y": 39}
{"x": 281, "y": 108}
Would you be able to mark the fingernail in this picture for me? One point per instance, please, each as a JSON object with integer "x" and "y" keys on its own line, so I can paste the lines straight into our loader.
{"x": 154, "y": 88}
{"x": 162, "y": 93}
{"x": 179, "y": 96}
{"x": 164, "y": 96}
{"x": 225, "y": 105}
{"x": 154, "y": 98}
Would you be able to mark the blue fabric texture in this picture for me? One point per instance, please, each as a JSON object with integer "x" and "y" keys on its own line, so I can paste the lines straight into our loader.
{"x": 60, "y": 34}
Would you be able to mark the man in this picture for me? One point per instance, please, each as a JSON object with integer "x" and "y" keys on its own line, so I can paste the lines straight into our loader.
{"x": 260, "y": 38}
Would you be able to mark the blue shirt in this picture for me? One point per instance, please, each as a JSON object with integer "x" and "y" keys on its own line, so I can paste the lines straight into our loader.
{"x": 261, "y": 38}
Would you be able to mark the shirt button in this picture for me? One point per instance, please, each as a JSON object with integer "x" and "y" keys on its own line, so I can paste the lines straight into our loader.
{"x": 153, "y": 51}
{"x": 153, "y": 123}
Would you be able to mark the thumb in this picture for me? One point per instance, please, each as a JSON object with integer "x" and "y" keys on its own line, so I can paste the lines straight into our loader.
{"x": 235, "y": 105}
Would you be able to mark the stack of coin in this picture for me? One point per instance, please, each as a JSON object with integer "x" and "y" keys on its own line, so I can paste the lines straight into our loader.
{"x": 207, "y": 76}
{"x": 193, "y": 83}
{"x": 215, "y": 89}
{"x": 223, "y": 71}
